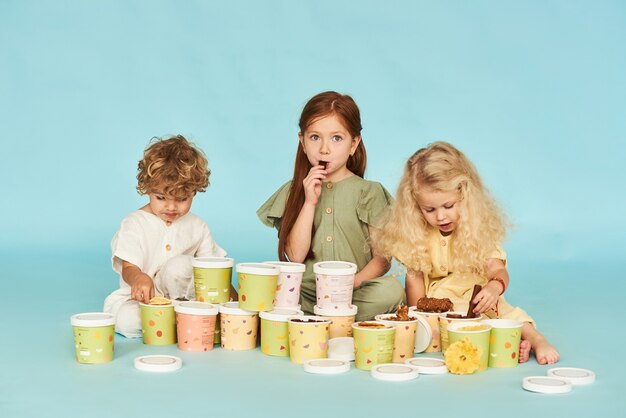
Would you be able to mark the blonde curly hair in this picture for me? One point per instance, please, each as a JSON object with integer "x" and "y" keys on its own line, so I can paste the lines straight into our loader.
{"x": 481, "y": 227}
{"x": 173, "y": 166}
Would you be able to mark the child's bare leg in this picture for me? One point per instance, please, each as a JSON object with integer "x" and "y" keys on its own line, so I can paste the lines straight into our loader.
{"x": 545, "y": 353}
{"x": 524, "y": 351}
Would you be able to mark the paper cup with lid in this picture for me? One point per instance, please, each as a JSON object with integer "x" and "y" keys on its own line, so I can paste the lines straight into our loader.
{"x": 195, "y": 325}
{"x": 477, "y": 333}
{"x": 158, "y": 324}
{"x": 212, "y": 277}
{"x": 257, "y": 286}
{"x": 342, "y": 319}
{"x": 404, "y": 340}
{"x": 93, "y": 337}
{"x": 446, "y": 319}
{"x": 373, "y": 343}
{"x": 334, "y": 283}
{"x": 504, "y": 341}
{"x": 289, "y": 281}
{"x": 275, "y": 331}
{"x": 239, "y": 327}
{"x": 308, "y": 338}
{"x": 433, "y": 320}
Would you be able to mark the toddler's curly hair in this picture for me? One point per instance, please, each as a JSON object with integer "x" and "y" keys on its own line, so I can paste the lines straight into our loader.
{"x": 173, "y": 166}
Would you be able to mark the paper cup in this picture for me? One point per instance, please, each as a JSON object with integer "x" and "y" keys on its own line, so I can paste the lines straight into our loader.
{"x": 504, "y": 341}
{"x": 275, "y": 331}
{"x": 444, "y": 322}
{"x": 93, "y": 337}
{"x": 433, "y": 320}
{"x": 334, "y": 283}
{"x": 289, "y": 281}
{"x": 342, "y": 319}
{"x": 372, "y": 346}
{"x": 308, "y": 340}
{"x": 195, "y": 325}
{"x": 478, "y": 337}
{"x": 239, "y": 327}
{"x": 212, "y": 277}
{"x": 257, "y": 286}
{"x": 158, "y": 324}
{"x": 404, "y": 341}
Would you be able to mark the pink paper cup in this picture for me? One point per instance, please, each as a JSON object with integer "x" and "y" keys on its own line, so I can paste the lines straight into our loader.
{"x": 334, "y": 283}
{"x": 342, "y": 319}
{"x": 195, "y": 325}
{"x": 289, "y": 281}
{"x": 239, "y": 327}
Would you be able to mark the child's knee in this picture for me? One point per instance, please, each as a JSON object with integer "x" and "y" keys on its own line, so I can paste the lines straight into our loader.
{"x": 128, "y": 320}
{"x": 175, "y": 279}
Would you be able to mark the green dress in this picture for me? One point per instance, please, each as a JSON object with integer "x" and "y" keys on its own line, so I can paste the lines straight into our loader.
{"x": 343, "y": 213}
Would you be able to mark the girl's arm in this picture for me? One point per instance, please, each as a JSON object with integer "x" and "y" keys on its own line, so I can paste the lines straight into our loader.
{"x": 415, "y": 288}
{"x": 487, "y": 298}
{"x": 141, "y": 285}
{"x": 376, "y": 267}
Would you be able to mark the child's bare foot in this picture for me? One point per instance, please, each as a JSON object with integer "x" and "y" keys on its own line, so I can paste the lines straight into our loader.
{"x": 524, "y": 351}
{"x": 545, "y": 353}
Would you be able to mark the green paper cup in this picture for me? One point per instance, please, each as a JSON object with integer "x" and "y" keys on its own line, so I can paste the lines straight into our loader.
{"x": 404, "y": 341}
{"x": 275, "y": 331}
{"x": 342, "y": 319}
{"x": 212, "y": 277}
{"x": 239, "y": 327}
{"x": 257, "y": 286}
{"x": 93, "y": 337}
{"x": 372, "y": 345}
{"x": 158, "y": 324}
{"x": 308, "y": 338}
{"x": 445, "y": 321}
{"x": 504, "y": 341}
{"x": 478, "y": 333}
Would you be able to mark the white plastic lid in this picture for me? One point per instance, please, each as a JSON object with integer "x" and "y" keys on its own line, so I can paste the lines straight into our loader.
{"x": 260, "y": 269}
{"x": 197, "y": 308}
{"x": 287, "y": 266}
{"x": 232, "y": 308}
{"x": 280, "y": 314}
{"x": 92, "y": 319}
{"x": 428, "y": 365}
{"x": 158, "y": 363}
{"x": 544, "y": 384}
{"x": 351, "y": 311}
{"x": 326, "y": 366}
{"x": 213, "y": 262}
{"x": 393, "y": 372}
{"x": 423, "y": 335}
{"x": 573, "y": 375}
{"x": 341, "y": 348}
{"x": 336, "y": 268}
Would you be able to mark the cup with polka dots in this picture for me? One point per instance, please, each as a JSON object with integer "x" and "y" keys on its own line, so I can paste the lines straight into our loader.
{"x": 504, "y": 342}
{"x": 93, "y": 337}
{"x": 289, "y": 281}
{"x": 158, "y": 324}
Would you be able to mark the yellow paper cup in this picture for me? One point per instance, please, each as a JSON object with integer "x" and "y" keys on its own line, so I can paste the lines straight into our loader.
{"x": 342, "y": 319}
{"x": 257, "y": 286}
{"x": 93, "y": 337}
{"x": 433, "y": 320}
{"x": 478, "y": 333}
{"x": 504, "y": 341}
{"x": 445, "y": 321}
{"x": 275, "y": 331}
{"x": 239, "y": 327}
{"x": 372, "y": 346}
{"x": 158, "y": 324}
{"x": 404, "y": 341}
{"x": 308, "y": 338}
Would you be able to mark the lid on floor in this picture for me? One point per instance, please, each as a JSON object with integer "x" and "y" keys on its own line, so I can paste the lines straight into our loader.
{"x": 573, "y": 375}
{"x": 544, "y": 384}
{"x": 326, "y": 366}
{"x": 394, "y": 372}
{"x": 158, "y": 363}
{"x": 428, "y": 365}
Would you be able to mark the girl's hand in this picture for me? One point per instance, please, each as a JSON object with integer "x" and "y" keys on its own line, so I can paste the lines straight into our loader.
{"x": 357, "y": 280}
{"x": 313, "y": 184}
{"x": 142, "y": 289}
{"x": 487, "y": 298}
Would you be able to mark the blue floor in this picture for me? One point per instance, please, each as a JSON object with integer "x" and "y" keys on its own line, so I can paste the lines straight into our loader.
{"x": 40, "y": 378}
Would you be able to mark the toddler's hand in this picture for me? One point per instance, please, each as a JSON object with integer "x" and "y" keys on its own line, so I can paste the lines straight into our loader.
{"x": 313, "y": 184}
{"x": 487, "y": 298}
{"x": 142, "y": 289}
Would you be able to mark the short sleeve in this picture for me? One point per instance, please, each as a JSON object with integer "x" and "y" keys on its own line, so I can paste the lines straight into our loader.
{"x": 208, "y": 247}
{"x": 498, "y": 253}
{"x": 272, "y": 210}
{"x": 373, "y": 204}
{"x": 126, "y": 245}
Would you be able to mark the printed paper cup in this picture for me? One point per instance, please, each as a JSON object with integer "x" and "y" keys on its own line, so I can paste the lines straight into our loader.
{"x": 308, "y": 338}
{"x": 275, "y": 331}
{"x": 334, "y": 283}
{"x": 372, "y": 345}
{"x": 212, "y": 277}
{"x": 445, "y": 321}
{"x": 342, "y": 319}
{"x": 257, "y": 286}
{"x": 158, "y": 324}
{"x": 433, "y": 320}
{"x": 93, "y": 337}
{"x": 478, "y": 333}
{"x": 289, "y": 281}
{"x": 239, "y": 327}
{"x": 195, "y": 325}
{"x": 404, "y": 341}
{"x": 504, "y": 341}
